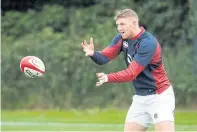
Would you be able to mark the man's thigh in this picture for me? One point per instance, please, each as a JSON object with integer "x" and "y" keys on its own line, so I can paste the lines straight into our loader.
{"x": 137, "y": 118}
{"x": 162, "y": 111}
{"x": 165, "y": 126}
{"x": 133, "y": 126}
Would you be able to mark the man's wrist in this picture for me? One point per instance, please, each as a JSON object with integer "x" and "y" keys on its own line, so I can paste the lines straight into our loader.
{"x": 92, "y": 54}
{"x": 106, "y": 78}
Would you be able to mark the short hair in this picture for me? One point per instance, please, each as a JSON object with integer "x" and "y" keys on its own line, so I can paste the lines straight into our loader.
{"x": 126, "y": 13}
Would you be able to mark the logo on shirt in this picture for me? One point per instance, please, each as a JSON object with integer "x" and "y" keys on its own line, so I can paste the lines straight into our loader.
{"x": 129, "y": 58}
{"x": 125, "y": 44}
{"x": 155, "y": 115}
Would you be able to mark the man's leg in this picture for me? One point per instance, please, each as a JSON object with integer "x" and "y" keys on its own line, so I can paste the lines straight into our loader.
{"x": 137, "y": 118}
{"x": 132, "y": 126}
{"x": 162, "y": 111}
{"x": 165, "y": 126}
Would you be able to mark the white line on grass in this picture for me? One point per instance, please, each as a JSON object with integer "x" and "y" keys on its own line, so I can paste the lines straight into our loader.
{"x": 75, "y": 124}
{"x": 58, "y": 124}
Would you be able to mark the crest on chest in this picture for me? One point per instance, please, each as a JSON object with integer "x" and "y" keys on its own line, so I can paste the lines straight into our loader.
{"x": 125, "y": 44}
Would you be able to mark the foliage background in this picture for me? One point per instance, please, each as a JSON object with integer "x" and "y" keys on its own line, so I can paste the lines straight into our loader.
{"x": 53, "y": 30}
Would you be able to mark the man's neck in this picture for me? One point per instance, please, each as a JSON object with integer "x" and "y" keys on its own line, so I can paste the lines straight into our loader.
{"x": 137, "y": 31}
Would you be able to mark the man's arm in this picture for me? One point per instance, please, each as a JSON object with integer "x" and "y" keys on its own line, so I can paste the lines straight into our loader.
{"x": 145, "y": 53}
{"x": 109, "y": 53}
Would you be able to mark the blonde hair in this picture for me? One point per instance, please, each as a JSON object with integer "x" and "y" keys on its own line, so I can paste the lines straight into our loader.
{"x": 126, "y": 13}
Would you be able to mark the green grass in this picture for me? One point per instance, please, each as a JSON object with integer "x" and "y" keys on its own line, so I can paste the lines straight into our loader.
{"x": 52, "y": 128}
{"x": 100, "y": 120}
{"x": 72, "y": 116}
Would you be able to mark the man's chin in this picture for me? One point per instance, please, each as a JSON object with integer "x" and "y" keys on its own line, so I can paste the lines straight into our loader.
{"x": 124, "y": 37}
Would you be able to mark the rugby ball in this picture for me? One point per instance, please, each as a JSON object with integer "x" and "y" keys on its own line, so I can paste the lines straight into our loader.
{"x": 32, "y": 66}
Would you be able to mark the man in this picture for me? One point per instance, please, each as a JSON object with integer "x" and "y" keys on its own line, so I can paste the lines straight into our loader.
{"x": 154, "y": 100}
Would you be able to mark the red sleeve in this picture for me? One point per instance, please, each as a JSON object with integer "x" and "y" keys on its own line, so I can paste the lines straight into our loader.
{"x": 113, "y": 50}
{"x": 126, "y": 75}
{"x": 108, "y": 53}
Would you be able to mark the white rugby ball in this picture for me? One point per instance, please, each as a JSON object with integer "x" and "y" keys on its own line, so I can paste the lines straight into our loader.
{"x": 32, "y": 66}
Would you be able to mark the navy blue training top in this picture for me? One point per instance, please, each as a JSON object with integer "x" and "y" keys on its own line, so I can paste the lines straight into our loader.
{"x": 143, "y": 57}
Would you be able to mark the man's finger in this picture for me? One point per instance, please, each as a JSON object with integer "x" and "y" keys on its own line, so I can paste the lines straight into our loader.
{"x": 99, "y": 74}
{"x": 101, "y": 81}
{"x": 85, "y": 43}
{"x": 100, "y": 78}
{"x": 86, "y": 54}
{"x": 98, "y": 84}
{"x": 91, "y": 41}
{"x": 82, "y": 45}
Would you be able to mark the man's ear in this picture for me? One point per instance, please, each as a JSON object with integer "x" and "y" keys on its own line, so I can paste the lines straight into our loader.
{"x": 134, "y": 23}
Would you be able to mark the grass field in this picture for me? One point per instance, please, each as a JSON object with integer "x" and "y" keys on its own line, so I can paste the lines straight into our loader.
{"x": 87, "y": 120}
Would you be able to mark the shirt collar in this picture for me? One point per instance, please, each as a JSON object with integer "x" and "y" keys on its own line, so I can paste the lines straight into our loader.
{"x": 138, "y": 35}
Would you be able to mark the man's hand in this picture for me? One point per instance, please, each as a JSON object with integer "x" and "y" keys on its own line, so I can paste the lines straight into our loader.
{"x": 102, "y": 77}
{"x": 88, "y": 48}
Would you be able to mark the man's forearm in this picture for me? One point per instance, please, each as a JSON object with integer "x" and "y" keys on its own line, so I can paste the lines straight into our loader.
{"x": 126, "y": 75}
{"x": 99, "y": 58}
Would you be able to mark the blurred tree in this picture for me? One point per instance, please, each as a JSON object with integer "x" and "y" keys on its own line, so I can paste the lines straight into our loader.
{"x": 24, "y": 5}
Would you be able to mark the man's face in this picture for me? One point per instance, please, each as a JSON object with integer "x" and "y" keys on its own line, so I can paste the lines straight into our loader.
{"x": 125, "y": 26}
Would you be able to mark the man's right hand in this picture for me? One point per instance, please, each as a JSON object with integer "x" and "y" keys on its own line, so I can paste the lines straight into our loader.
{"x": 88, "y": 48}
